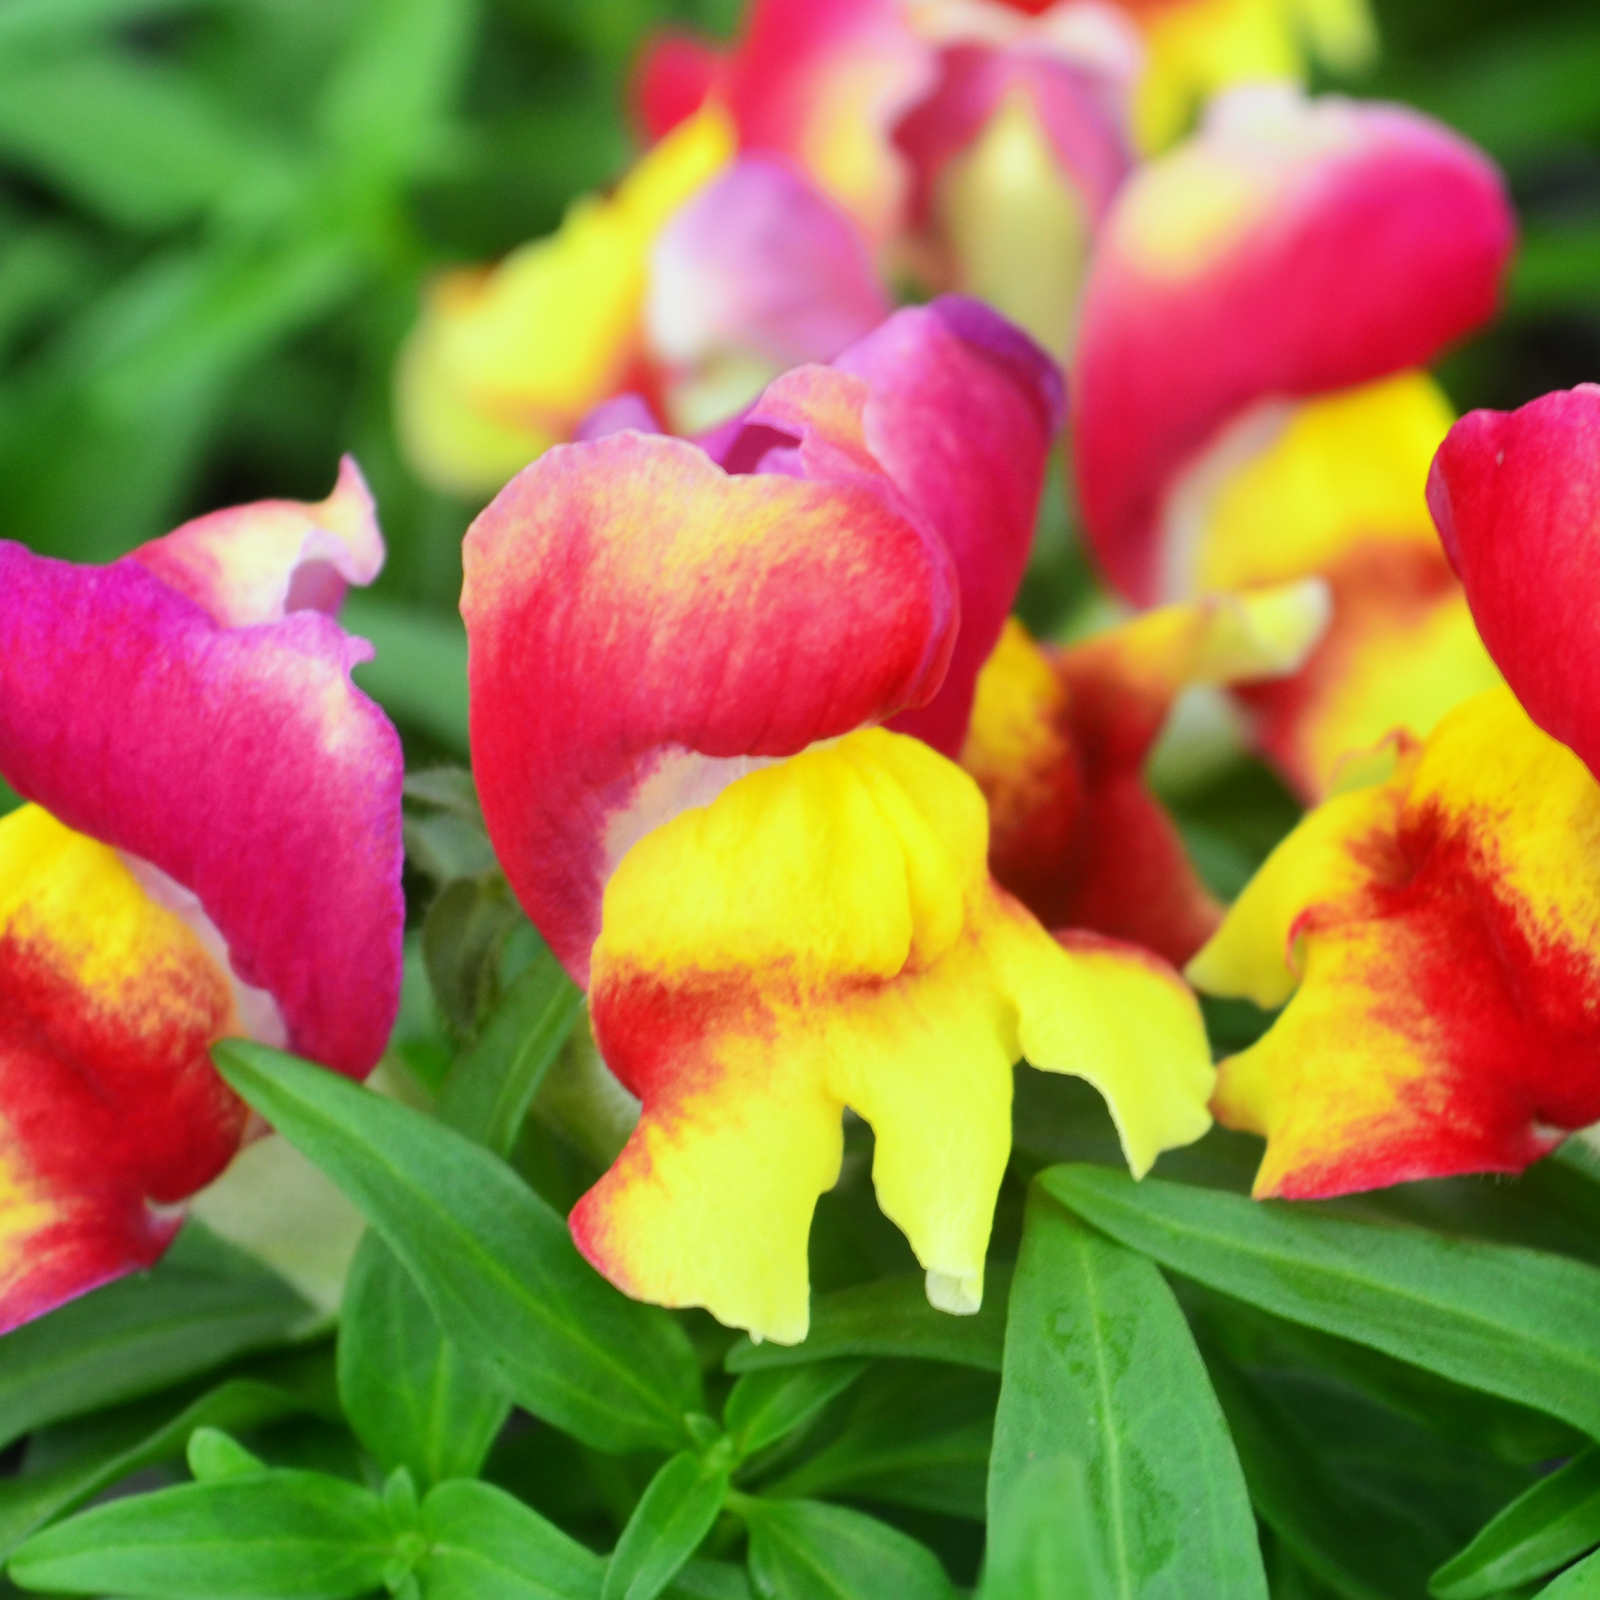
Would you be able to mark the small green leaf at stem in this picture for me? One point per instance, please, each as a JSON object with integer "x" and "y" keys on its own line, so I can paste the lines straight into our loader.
{"x": 674, "y": 1515}
{"x": 768, "y": 1405}
{"x": 412, "y": 1396}
{"x": 483, "y": 1544}
{"x": 201, "y": 1306}
{"x": 126, "y": 1444}
{"x": 1555, "y": 1522}
{"x": 805, "y": 1550}
{"x": 279, "y": 1534}
{"x": 494, "y": 1262}
{"x": 214, "y": 1455}
{"x": 494, "y": 1080}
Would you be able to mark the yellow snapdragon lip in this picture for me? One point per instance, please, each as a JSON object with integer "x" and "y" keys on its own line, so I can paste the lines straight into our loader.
{"x": 825, "y": 935}
{"x": 1431, "y": 938}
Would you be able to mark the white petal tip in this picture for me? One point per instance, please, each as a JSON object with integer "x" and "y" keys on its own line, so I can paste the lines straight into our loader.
{"x": 960, "y": 1296}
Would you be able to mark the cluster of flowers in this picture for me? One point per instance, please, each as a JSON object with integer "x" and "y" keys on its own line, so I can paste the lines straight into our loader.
{"x": 817, "y": 825}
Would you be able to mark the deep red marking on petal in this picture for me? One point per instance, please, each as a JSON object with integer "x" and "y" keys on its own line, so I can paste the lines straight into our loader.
{"x": 109, "y": 1109}
{"x": 1507, "y": 1013}
{"x": 1087, "y": 846}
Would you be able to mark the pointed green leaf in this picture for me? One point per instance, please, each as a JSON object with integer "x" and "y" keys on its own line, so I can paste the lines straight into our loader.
{"x": 214, "y": 1455}
{"x": 1514, "y": 1322}
{"x": 1042, "y": 1543}
{"x": 492, "y": 1084}
{"x": 412, "y": 1396}
{"x": 1555, "y": 1522}
{"x": 485, "y": 1545}
{"x": 673, "y": 1516}
{"x": 912, "y": 1434}
{"x": 1345, "y": 1486}
{"x": 804, "y": 1550}
{"x": 201, "y": 1306}
{"x": 283, "y": 1535}
{"x": 709, "y": 1580}
{"x": 129, "y": 1443}
{"x": 891, "y": 1317}
{"x": 1581, "y": 1582}
{"x": 1100, "y": 1366}
{"x": 493, "y": 1261}
{"x": 767, "y": 1406}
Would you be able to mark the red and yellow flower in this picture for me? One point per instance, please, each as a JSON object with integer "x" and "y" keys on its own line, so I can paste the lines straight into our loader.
{"x": 1432, "y": 936}
{"x": 211, "y": 847}
{"x": 699, "y": 278}
{"x": 1248, "y": 403}
{"x": 714, "y": 702}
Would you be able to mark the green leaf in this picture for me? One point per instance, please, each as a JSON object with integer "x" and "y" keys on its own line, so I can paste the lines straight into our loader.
{"x": 126, "y": 1445}
{"x": 912, "y": 1434}
{"x": 709, "y": 1580}
{"x": 767, "y": 1406}
{"x": 1581, "y": 1582}
{"x": 214, "y": 1455}
{"x": 413, "y": 1397}
{"x": 1365, "y": 1501}
{"x": 1555, "y": 1522}
{"x": 283, "y": 1535}
{"x": 201, "y": 1306}
{"x": 419, "y": 672}
{"x": 675, "y": 1513}
{"x": 1517, "y": 1323}
{"x": 1100, "y": 1366}
{"x": 804, "y": 1550}
{"x": 891, "y": 1317}
{"x": 1466, "y": 1417}
{"x": 1042, "y": 1543}
{"x": 383, "y": 106}
{"x": 461, "y": 940}
{"x": 133, "y": 141}
{"x": 493, "y": 1082}
{"x": 494, "y": 1262}
{"x": 485, "y": 1545}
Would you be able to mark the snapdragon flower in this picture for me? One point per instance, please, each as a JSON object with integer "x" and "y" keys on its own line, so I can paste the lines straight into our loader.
{"x": 211, "y": 847}
{"x": 1248, "y": 404}
{"x": 1431, "y": 936}
{"x": 715, "y": 695}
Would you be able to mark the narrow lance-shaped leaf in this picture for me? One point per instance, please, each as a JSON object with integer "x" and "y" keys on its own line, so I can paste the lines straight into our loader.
{"x": 415, "y": 1398}
{"x": 1042, "y": 1544}
{"x": 1100, "y": 1366}
{"x": 804, "y": 1550}
{"x": 1581, "y": 1582}
{"x": 1555, "y": 1522}
{"x": 891, "y": 1317}
{"x": 1517, "y": 1323}
{"x": 493, "y": 1261}
{"x": 283, "y": 1535}
{"x": 483, "y": 1544}
{"x": 769, "y": 1405}
{"x": 494, "y": 1080}
{"x": 673, "y": 1516}
{"x": 1363, "y": 1549}
{"x": 30, "y": 1501}
{"x": 913, "y": 1434}
{"x": 201, "y": 1306}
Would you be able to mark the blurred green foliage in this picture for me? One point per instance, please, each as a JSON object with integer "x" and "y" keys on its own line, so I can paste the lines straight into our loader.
{"x": 216, "y": 215}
